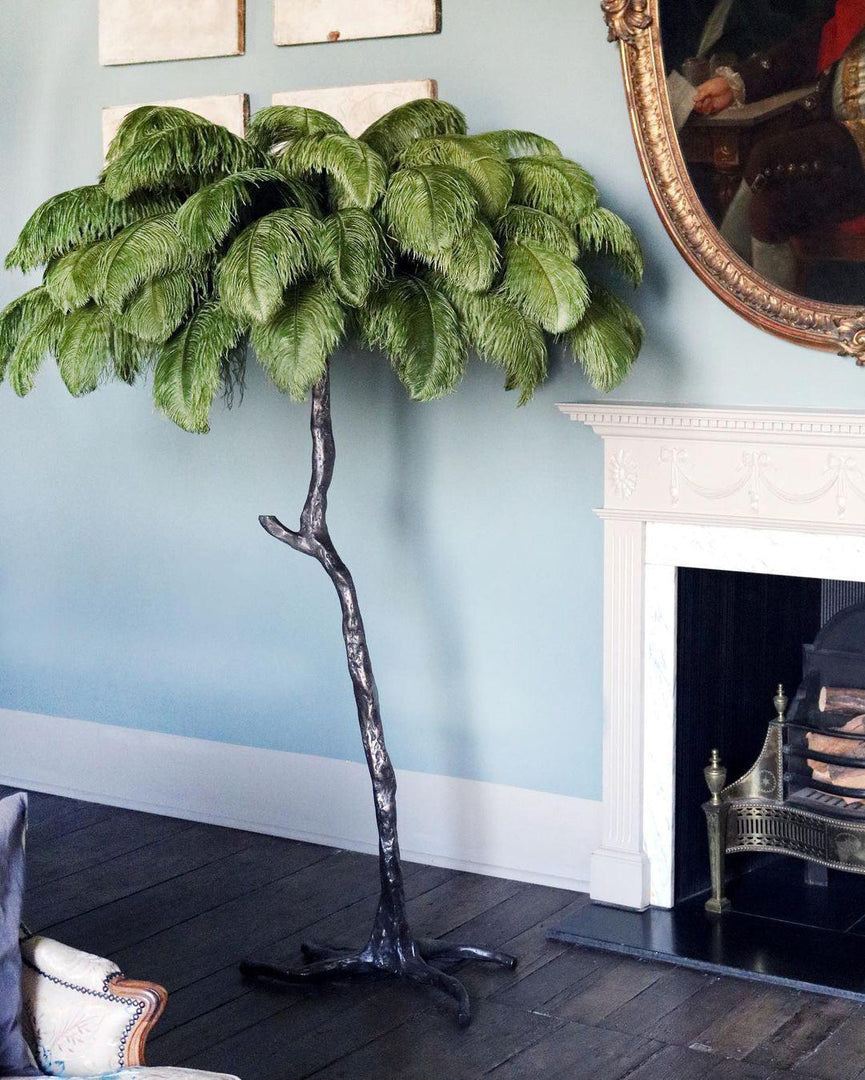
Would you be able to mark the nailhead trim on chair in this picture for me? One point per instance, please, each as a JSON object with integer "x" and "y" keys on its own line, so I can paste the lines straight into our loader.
{"x": 106, "y": 995}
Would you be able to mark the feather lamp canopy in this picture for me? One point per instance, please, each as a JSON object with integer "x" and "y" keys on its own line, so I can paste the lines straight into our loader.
{"x": 197, "y": 250}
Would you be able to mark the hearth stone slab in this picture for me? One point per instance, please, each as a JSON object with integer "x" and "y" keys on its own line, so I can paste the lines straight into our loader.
{"x": 745, "y": 946}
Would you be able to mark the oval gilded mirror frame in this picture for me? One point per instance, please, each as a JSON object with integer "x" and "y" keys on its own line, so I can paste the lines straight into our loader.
{"x": 837, "y": 327}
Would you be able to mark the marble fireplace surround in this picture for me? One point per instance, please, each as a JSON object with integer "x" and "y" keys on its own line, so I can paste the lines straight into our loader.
{"x": 759, "y": 490}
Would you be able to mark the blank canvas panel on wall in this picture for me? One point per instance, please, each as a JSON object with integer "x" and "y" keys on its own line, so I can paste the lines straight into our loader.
{"x": 356, "y": 107}
{"x": 141, "y": 31}
{"x": 297, "y": 22}
{"x": 230, "y": 110}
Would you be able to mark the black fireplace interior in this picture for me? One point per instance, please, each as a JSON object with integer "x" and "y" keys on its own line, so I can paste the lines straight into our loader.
{"x": 739, "y": 635}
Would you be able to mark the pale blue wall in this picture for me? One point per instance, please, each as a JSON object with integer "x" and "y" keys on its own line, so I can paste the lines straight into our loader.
{"x": 136, "y": 586}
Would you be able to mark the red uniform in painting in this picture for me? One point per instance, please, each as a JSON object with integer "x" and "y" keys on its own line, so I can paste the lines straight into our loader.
{"x": 840, "y": 32}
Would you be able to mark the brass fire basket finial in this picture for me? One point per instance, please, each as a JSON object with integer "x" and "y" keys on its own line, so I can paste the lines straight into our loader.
{"x": 716, "y": 820}
{"x": 716, "y": 775}
{"x": 780, "y": 701}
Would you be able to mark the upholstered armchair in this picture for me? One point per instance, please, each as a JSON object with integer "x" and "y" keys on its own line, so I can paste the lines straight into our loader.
{"x": 83, "y": 1018}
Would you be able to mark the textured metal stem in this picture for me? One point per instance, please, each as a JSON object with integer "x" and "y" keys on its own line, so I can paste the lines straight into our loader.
{"x": 313, "y": 538}
{"x": 391, "y": 948}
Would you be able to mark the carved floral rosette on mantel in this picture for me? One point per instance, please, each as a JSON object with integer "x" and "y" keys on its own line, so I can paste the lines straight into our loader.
{"x": 634, "y": 24}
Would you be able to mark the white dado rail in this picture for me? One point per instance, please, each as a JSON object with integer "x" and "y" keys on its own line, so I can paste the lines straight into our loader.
{"x": 757, "y": 490}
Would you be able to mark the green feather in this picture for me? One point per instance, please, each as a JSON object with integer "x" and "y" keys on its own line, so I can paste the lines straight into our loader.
{"x": 509, "y": 143}
{"x": 351, "y": 252}
{"x": 180, "y": 157}
{"x": 277, "y": 124}
{"x": 130, "y": 355}
{"x": 502, "y": 335}
{"x": 72, "y": 279}
{"x": 148, "y": 120}
{"x": 526, "y": 223}
{"x": 607, "y": 340}
{"x": 419, "y": 330}
{"x": 491, "y": 175}
{"x": 356, "y": 173}
{"x": 157, "y": 308}
{"x": 428, "y": 207}
{"x": 85, "y": 349}
{"x": 602, "y": 231}
{"x": 294, "y": 347}
{"x": 544, "y": 285}
{"x": 473, "y": 262}
{"x": 139, "y": 253}
{"x": 34, "y": 344}
{"x": 428, "y": 240}
{"x": 188, "y": 372}
{"x": 78, "y": 217}
{"x": 207, "y": 217}
{"x": 73, "y": 217}
{"x": 397, "y": 129}
{"x": 265, "y": 258}
{"x": 555, "y": 185}
{"x": 21, "y": 316}
{"x": 66, "y": 293}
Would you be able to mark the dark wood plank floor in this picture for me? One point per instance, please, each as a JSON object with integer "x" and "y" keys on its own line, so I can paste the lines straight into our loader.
{"x": 182, "y": 903}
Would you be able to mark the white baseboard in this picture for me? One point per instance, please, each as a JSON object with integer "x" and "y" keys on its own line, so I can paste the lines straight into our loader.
{"x": 445, "y": 821}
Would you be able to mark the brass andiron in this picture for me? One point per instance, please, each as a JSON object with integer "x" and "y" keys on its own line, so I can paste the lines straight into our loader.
{"x": 804, "y": 794}
{"x": 716, "y": 822}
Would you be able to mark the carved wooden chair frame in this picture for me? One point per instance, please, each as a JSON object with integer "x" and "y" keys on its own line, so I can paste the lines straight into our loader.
{"x": 147, "y": 999}
{"x": 634, "y": 24}
{"x": 153, "y": 999}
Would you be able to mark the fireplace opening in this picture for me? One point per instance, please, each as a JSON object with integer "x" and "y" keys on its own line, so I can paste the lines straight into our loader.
{"x": 791, "y": 920}
{"x": 739, "y": 635}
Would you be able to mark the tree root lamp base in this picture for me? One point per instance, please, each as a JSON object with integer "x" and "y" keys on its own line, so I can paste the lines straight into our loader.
{"x": 326, "y": 963}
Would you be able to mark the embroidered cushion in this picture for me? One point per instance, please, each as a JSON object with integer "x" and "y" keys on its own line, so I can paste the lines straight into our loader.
{"x": 15, "y": 1058}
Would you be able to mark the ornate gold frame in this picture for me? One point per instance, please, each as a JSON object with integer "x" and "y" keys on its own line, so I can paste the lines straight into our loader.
{"x": 634, "y": 24}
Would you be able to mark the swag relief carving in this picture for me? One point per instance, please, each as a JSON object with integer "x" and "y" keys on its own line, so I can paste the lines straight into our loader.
{"x": 755, "y": 474}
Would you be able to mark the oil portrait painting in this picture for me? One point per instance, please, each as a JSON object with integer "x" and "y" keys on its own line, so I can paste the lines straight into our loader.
{"x": 768, "y": 99}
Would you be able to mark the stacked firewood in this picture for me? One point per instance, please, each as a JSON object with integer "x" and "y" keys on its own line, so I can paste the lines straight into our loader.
{"x": 846, "y": 707}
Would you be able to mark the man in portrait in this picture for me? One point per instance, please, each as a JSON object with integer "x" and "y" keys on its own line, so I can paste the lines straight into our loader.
{"x": 807, "y": 172}
{"x": 692, "y": 28}
{"x": 755, "y": 25}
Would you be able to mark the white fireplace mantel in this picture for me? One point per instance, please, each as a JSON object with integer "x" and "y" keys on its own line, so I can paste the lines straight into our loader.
{"x": 757, "y": 490}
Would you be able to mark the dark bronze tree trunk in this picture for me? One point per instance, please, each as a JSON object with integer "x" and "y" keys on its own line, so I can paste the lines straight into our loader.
{"x": 391, "y": 947}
